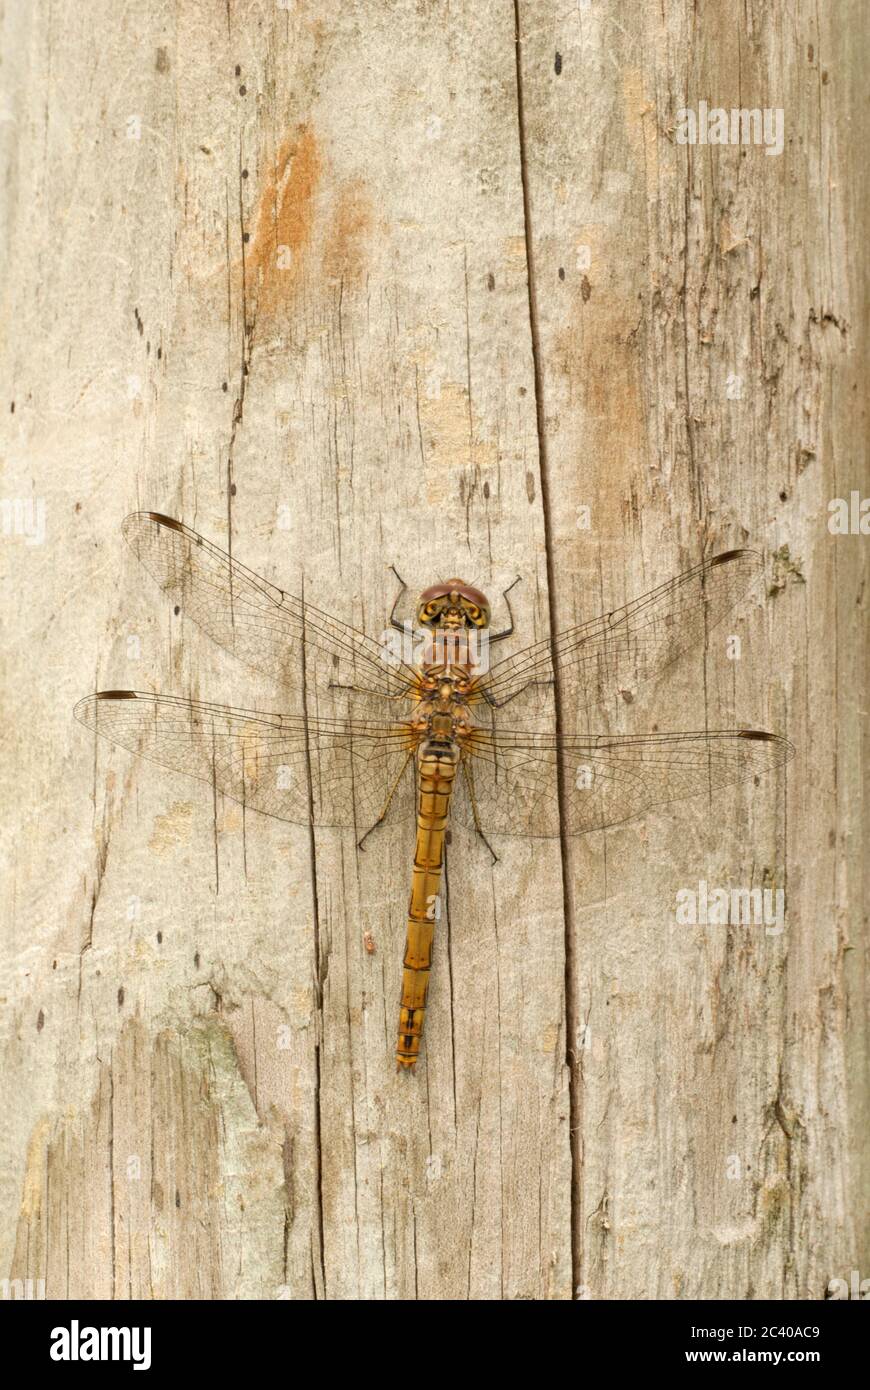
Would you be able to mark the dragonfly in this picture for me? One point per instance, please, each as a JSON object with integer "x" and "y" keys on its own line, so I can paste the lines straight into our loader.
{"x": 381, "y": 724}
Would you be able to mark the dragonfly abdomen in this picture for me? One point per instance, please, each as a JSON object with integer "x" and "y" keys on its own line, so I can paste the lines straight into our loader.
{"x": 436, "y": 762}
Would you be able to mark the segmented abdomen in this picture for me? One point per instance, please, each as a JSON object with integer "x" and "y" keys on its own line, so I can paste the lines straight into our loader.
{"x": 437, "y": 765}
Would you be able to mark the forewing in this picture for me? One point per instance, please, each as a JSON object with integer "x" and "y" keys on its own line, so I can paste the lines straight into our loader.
{"x": 321, "y": 772}
{"x": 513, "y": 777}
{"x": 634, "y": 643}
{"x": 248, "y": 616}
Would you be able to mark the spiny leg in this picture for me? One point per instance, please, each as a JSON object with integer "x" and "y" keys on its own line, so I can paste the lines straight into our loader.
{"x": 500, "y": 704}
{"x": 394, "y": 622}
{"x": 469, "y": 782}
{"x": 500, "y": 636}
{"x": 382, "y": 816}
{"x": 365, "y": 690}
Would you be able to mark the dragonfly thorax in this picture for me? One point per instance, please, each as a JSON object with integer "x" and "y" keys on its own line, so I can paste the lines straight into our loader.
{"x": 442, "y": 711}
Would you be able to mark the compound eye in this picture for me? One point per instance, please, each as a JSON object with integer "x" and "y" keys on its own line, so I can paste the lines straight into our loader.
{"x": 431, "y": 608}
{"x": 473, "y": 612}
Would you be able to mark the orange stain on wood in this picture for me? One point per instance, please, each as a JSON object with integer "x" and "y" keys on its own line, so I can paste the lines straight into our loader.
{"x": 344, "y": 256}
{"x": 284, "y": 224}
{"x": 284, "y": 221}
{"x": 596, "y": 353}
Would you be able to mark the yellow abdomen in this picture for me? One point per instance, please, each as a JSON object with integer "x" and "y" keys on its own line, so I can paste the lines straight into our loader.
{"x": 436, "y": 763}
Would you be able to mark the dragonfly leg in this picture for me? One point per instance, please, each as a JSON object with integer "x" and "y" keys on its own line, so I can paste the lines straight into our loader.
{"x": 382, "y": 817}
{"x": 499, "y": 704}
{"x": 363, "y": 690}
{"x": 500, "y": 636}
{"x": 394, "y": 622}
{"x": 469, "y": 782}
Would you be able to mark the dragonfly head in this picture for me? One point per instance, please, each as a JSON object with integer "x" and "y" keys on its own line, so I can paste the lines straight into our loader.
{"x": 453, "y": 604}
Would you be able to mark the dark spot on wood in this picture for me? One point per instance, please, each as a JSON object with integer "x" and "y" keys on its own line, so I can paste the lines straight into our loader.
{"x": 238, "y": 69}
{"x": 490, "y": 281}
{"x": 159, "y": 938}
{"x": 585, "y": 290}
{"x": 530, "y": 486}
{"x": 783, "y": 496}
{"x": 561, "y": 272}
{"x": 243, "y": 91}
{"x": 162, "y": 60}
{"x": 159, "y": 353}
{"x": 810, "y": 53}
{"x": 196, "y": 960}
{"x": 733, "y": 1119}
{"x": 824, "y": 77}
{"x": 177, "y": 1197}
{"x": 448, "y": 840}
{"x": 246, "y": 237}
{"x": 40, "y": 1021}
{"x": 205, "y": 149}
{"x": 78, "y": 506}
{"x": 223, "y": 386}
{"x": 523, "y": 391}
{"x": 558, "y": 64}
{"x": 12, "y": 408}
{"x": 121, "y": 997}
{"x": 54, "y": 965}
{"x": 148, "y": 348}
{"x": 244, "y": 173}
{"x": 139, "y": 324}
{"x": 176, "y": 610}
{"x": 232, "y": 489}
{"x": 486, "y": 489}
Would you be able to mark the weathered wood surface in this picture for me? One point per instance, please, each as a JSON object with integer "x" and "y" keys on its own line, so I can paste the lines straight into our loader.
{"x": 265, "y": 269}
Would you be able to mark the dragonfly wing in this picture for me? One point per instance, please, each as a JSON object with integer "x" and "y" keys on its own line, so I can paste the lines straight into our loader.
{"x": 513, "y": 777}
{"x": 634, "y": 643}
{"x": 307, "y": 771}
{"x": 253, "y": 619}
